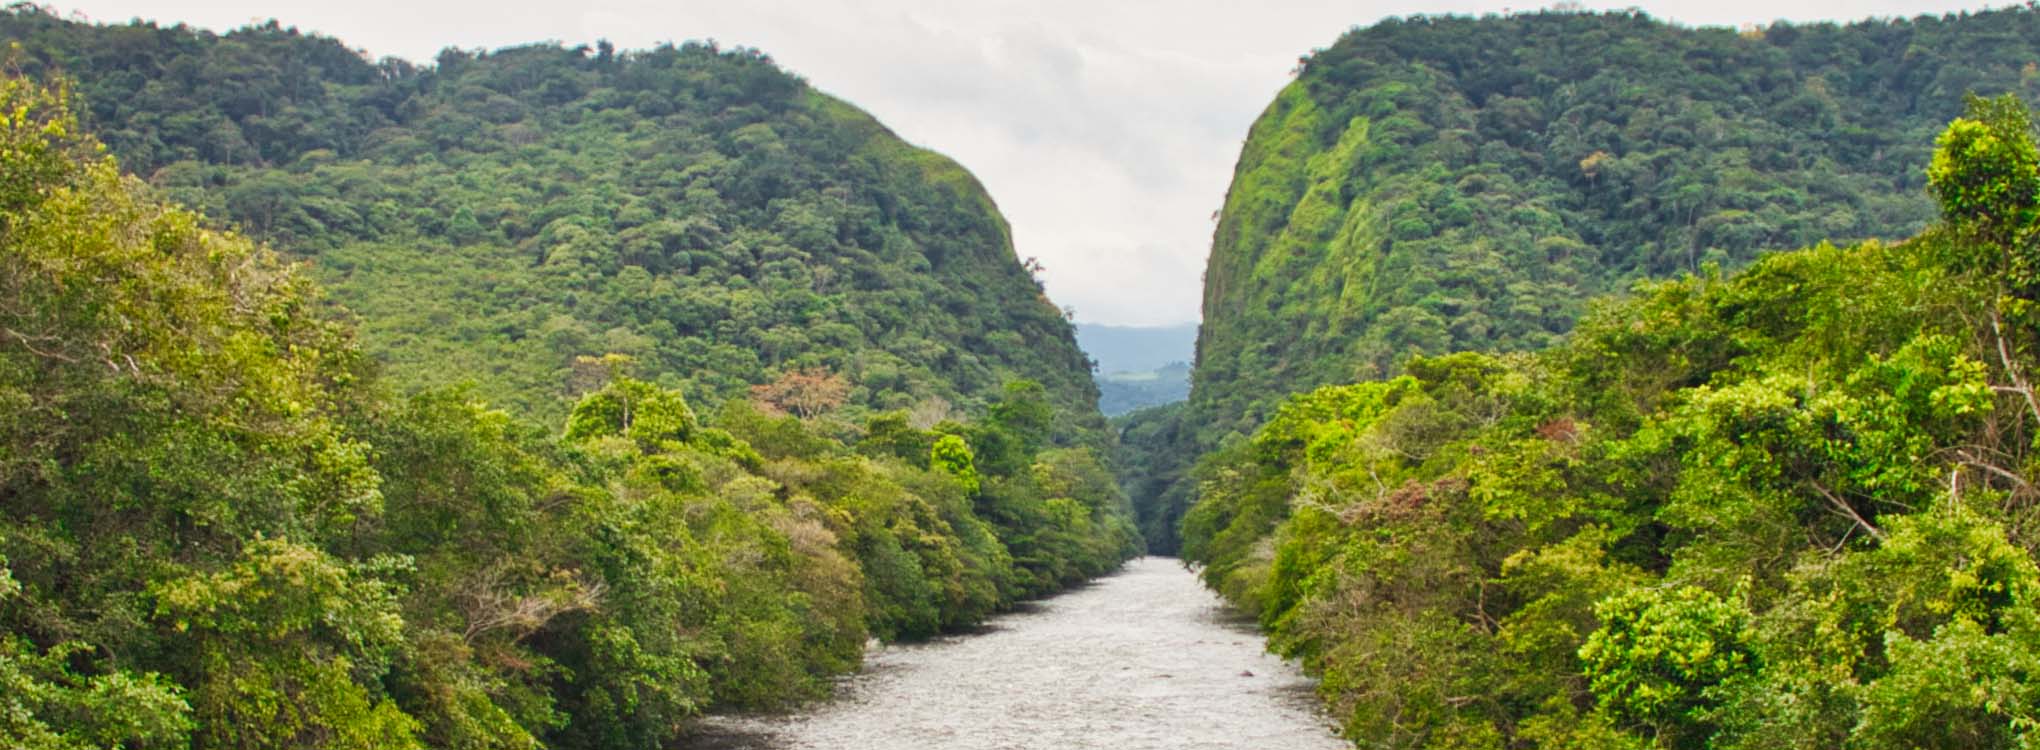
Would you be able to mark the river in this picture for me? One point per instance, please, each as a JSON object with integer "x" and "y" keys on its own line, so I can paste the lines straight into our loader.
{"x": 1139, "y": 660}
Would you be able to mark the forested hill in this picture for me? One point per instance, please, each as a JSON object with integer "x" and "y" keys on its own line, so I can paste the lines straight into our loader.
{"x": 494, "y": 216}
{"x": 1791, "y": 507}
{"x": 1438, "y": 184}
{"x": 1452, "y": 183}
{"x": 220, "y": 529}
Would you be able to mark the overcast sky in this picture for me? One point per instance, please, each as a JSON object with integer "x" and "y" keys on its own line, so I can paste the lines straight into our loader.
{"x": 1105, "y": 129}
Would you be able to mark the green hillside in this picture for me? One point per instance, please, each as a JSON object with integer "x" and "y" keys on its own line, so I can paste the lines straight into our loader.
{"x": 1791, "y": 507}
{"x": 496, "y": 215}
{"x": 1440, "y": 184}
{"x": 219, "y": 528}
{"x": 1429, "y": 185}
{"x": 584, "y": 392}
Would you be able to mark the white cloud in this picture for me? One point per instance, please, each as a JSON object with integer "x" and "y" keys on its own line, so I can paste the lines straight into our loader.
{"x": 1106, "y": 130}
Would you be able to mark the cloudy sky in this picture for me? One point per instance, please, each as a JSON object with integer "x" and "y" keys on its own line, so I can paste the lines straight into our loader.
{"x": 1105, "y": 129}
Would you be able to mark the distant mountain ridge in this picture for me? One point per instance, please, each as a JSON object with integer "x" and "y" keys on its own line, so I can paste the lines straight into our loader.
{"x": 1122, "y": 392}
{"x": 1137, "y": 348}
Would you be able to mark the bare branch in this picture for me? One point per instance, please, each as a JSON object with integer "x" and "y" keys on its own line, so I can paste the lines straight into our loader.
{"x": 28, "y": 342}
{"x": 2019, "y": 383}
{"x": 491, "y": 606}
{"x": 2023, "y": 485}
{"x": 1848, "y": 510}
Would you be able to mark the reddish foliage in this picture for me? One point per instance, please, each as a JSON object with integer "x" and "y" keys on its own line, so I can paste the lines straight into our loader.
{"x": 805, "y": 393}
{"x": 1405, "y": 503}
{"x": 1560, "y": 430}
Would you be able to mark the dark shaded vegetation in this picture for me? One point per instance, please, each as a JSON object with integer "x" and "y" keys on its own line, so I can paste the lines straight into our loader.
{"x": 1149, "y": 449}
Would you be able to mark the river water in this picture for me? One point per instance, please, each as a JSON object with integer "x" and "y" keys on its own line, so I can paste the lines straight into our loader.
{"x": 1144, "y": 659}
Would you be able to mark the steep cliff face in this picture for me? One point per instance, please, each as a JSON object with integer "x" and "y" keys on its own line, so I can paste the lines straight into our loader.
{"x": 497, "y": 215}
{"x": 1439, "y": 184}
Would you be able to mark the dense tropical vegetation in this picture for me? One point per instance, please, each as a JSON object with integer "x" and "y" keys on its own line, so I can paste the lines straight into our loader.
{"x": 1790, "y": 507}
{"x": 223, "y": 526}
{"x": 1436, "y": 184}
{"x": 496, "y": 215}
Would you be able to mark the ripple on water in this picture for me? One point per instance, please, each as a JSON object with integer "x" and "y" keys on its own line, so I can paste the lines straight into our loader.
{"x": 1145, "y": 659}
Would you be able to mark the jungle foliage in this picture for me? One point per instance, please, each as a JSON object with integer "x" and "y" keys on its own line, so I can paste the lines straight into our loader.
{"x": 222, "y": 527}
{"x": 1436, "y": 184}
{"x": 1790, "y": 507}
{"x": 494, "y": 216}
